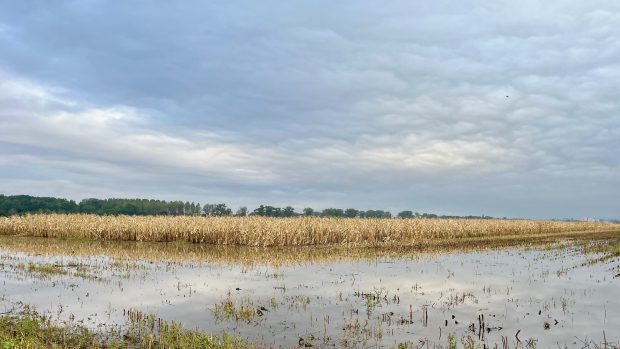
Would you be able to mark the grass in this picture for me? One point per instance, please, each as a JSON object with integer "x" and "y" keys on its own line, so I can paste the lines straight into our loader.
{"x": 607, "y": 249}
{"x": 451, "y": 341}
{"x": 301, "y": 231}
{"x": 28, "y": 329}
{"x": 614, "y": 249}
{"x": 45, "y": 269}
{"x": 227, "y": 309}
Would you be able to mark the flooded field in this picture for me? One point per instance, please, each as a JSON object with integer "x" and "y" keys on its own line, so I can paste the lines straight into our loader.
{"x": 550, "y": 295}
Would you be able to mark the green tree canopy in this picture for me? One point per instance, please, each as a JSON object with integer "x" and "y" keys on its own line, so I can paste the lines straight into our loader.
{"x": 332, "y": 212}
{"x": 405, "y": 214}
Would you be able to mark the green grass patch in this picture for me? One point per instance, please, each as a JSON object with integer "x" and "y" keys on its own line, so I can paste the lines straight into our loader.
{"x": 28, "y": 329}
{"x": 45, "y": 269}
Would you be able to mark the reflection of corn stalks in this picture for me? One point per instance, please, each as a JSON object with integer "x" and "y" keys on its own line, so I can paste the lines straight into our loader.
{"x": 181, "y": 252}
{"x": 410, "y": 314}
{"x": 235, "y": 255}
{"x": 481, "y": 327}
{"x": 425, "y": 316}
{"x": 505, "y": 344}
{"x": 531, "y": 343}
{"x": 265, "y": 231}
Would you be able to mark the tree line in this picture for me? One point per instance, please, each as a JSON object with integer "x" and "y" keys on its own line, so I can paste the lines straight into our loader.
{"x": 24, "y": 204}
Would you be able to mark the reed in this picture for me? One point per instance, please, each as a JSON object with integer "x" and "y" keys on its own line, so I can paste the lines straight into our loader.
{"x": 300, "y": 231}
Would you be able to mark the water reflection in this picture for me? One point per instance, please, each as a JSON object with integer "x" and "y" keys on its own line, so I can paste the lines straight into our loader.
{"x": 541, "y": 297}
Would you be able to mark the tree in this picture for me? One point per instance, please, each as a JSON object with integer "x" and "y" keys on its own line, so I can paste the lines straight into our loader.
{"x": 176, "y": 208}
{"x": 207, "y": 209}
{"x": 351, "y": 213}
{"x": 92, "y": 206}
{"x": 216, "y": 210}
{"x": 376, "y": 214}
{"x": 288, "y": 211}
{"x": 260, "y": 211}
{"x": 308, "y": 211}
{"x": 428, "y": 215}
{"x": 405, "y": 214}
{"x": 21, "y": 204}
{"x": 271, "y": 211}
{"x": 127, "y": 208}
{"x": 332, "y": 212}
{"x": 242, "y": 211}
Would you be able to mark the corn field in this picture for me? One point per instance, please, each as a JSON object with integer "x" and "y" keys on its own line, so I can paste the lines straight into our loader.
{"x": 265, "y": 231}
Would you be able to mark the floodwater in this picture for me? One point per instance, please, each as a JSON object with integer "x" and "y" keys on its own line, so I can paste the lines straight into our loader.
{"x": 536, "y": 297}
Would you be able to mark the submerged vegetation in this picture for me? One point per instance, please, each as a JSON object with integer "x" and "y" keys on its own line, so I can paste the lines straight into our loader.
{"x": 298, "y": 231}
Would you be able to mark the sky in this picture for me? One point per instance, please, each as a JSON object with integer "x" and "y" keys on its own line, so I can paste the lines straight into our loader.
{"x": 502, "y": 108}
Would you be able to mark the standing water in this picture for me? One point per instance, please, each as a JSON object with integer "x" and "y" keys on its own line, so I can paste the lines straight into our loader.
{"x": 537, "y": 297}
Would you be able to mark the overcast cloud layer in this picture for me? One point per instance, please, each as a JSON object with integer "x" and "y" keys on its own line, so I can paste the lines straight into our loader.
{"x": 501, "y": 108}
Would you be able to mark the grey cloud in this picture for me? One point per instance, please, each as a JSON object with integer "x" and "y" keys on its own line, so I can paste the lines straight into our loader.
{"x": 396, "y": 106}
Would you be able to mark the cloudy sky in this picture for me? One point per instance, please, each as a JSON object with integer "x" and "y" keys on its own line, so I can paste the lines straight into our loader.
{"x": 505, "y": 108}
